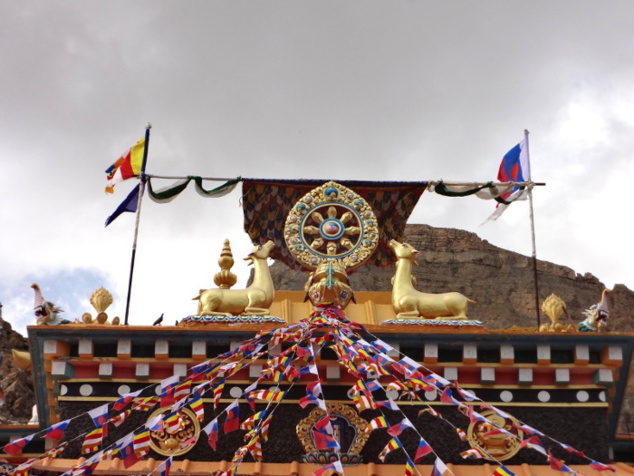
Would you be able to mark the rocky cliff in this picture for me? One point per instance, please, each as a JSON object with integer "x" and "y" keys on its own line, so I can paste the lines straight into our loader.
{"x": 15, "y": 384}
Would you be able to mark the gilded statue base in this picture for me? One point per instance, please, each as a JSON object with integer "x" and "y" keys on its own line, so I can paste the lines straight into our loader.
{"x": 434, "y": 322}
{"x": 244, "y": 319}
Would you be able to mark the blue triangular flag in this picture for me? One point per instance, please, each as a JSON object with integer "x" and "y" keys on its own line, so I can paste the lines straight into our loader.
{"x": 129, "y": 204}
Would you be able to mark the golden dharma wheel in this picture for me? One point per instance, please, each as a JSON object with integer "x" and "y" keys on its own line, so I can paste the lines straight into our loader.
{"x": 331, "y": 222}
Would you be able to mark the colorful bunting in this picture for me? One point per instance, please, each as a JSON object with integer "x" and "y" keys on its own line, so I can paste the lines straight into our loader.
{"x": 56, "y": 432}
{"x": 392, "y": 445}
{"x": 423, "y": 450}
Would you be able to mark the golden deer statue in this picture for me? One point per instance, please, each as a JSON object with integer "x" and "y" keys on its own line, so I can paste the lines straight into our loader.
{"x": 410, "y": 303}
{"x": 255, "y": 300}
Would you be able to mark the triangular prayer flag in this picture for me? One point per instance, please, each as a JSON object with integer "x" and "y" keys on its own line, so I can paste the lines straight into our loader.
{"x": 439, "y": 467}
{"x": 423, "y": 450}
{"x": 129, "y": 204}
{"x": 503, "y": 471}
{"x": 99, "y": 415}
{"x": 232, "y": 420}
{"x": 15, "y": 447}
{"x": 56, "y": 432}
{"x": 397, "y": 429}
{"x": 212, "y": 433}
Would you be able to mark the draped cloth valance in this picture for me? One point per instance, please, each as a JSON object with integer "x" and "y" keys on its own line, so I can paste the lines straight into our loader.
{"x": 266, "y": 204}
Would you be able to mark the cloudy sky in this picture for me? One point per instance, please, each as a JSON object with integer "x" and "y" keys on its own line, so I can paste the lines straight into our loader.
{"x": 369, "y": 90}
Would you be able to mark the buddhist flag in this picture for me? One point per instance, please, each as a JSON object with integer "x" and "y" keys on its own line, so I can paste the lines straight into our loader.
{"x": 376, "y": 423}
{"x": 142, "y": 442}
{"x": 127, "y": 166}
{"x": 473, "y": 453}
{"x": 58, "y": 450}
{"x": 264, "y": 429}
{"x": 196, "y": 404}
{"x": 409, "y": 467}
{"x": 146, "y": 404}
{"x": 392, "y": 445}
{"x": 92, "y": 441}
{"x": 118, "y": 419}
{"x": 461, "y": 434}
{"x": 503, "y": 471}
{"x": 250, "y": 422}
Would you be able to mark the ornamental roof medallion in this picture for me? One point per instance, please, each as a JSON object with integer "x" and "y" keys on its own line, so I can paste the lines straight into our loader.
{"x": 331, "y": 230}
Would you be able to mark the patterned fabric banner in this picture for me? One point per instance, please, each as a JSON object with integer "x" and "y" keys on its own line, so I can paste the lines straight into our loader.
{"x": 266, "y": 203}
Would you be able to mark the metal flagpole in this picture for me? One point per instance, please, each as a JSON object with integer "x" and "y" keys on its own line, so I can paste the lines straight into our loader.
{"x": 138, "y": 219}
{"x": 530, "y": 201}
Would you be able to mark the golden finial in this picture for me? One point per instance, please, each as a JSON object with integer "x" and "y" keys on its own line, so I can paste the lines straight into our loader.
{"x": 101, "y": 299}
{"x": 225, "y": 278}
{"x": 554, "y": 307}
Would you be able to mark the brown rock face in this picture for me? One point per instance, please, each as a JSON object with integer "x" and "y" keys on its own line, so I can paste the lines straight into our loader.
{"x": 17, "y": 384}
{"x": 500, "y": 281}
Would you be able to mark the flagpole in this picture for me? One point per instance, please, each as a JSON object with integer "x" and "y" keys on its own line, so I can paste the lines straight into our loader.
{"x": 137, "y": 221}
{"x": 532, "y": 216}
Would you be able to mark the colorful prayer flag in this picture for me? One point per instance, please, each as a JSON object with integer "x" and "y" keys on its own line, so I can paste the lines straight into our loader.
{"x": 212, "y": 433}
{"x": 503, "y": 471}
{"x": 397, "y": 429}
{"x": 126, "y": 166}
{"x": 473, "y": 453}
{"x": 423, "y": 450}
{"x": 99, "y": 415}
{"x": 92, "y": 441}
{"x": 196, "y": 404}
{"x": 597, "y": 466}
{"x": 129, "y": 204}
{"x": 164, "y": 467}
{"x": 558, "y": 465}
{"x": 124, "y": 400}
{"x": 15, "y": 447}
{"x": 119, "y": 418}
{"x": 515, "y": 167}
{"x": 409, "y": 467}
{"x": 141, "y": 443}
{"x": 336, "y": 466}
{"x": 376, "y": 423}
{"x": 392, "y": 445}
{"x": 439, "y": 467}
{"x": 56, "y": 432}
{"x": 232, "y": 420}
